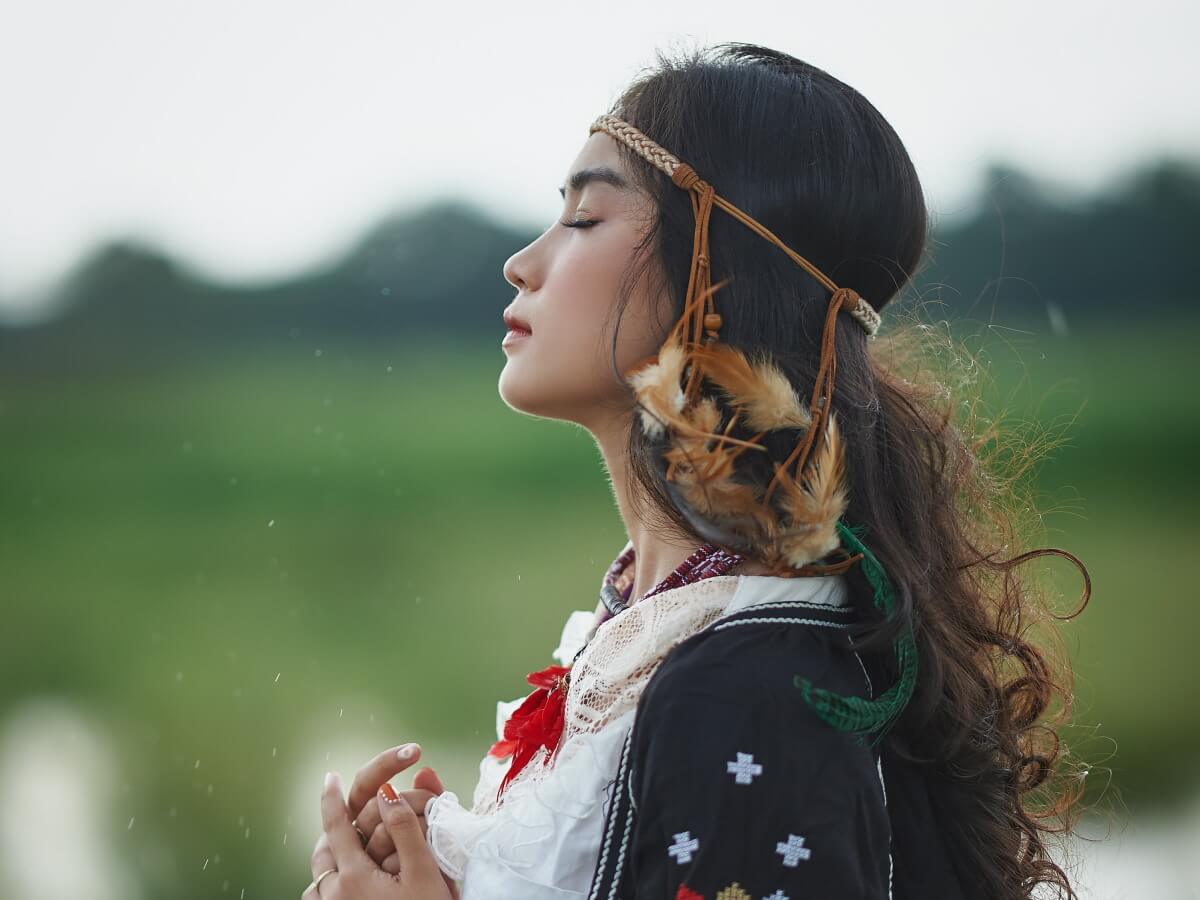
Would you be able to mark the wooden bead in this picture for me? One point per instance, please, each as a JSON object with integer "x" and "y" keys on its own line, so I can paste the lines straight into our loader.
{"x": 712, "y": 322}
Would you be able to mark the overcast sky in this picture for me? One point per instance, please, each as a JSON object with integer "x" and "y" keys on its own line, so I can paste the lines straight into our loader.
{"x": 255, "y": 137}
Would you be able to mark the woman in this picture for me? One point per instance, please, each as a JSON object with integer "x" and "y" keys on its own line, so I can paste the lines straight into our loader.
{"x": 809, "y": 673}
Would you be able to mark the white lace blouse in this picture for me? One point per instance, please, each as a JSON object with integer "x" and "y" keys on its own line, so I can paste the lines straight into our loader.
{"x": 542, "y": 840}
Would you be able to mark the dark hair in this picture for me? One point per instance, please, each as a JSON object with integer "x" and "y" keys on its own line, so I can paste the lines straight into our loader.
{"x": 937, "y": 486}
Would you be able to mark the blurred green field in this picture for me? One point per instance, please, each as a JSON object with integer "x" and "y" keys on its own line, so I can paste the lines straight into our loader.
{"x": 249, "y": 561}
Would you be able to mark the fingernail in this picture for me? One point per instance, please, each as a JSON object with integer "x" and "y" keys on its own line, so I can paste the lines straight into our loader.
{"x": 328, "y": 779}
{"x": 407, "y": 750}
{"x": 389, "y": 793}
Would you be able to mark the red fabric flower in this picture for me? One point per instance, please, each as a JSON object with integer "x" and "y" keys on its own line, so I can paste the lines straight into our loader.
{"x": 537, "y": 722}
{"x": 686, "y": 893}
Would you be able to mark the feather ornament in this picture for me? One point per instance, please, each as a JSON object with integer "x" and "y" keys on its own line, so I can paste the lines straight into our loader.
{"x": 759, "y": 389}
{"x": 658, "y": 389}
{"x": 797, "y": 528}
{"x": 814, "y": 509}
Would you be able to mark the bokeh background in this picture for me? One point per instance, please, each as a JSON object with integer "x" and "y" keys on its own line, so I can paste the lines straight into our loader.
{"x": 262, "y": 511}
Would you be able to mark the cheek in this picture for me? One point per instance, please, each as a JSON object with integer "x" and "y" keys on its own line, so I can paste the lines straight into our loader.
{"x": 563, "y": 369}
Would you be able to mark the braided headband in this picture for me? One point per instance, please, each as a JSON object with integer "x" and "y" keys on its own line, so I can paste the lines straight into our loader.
{"x": 685, "y": 177}
{"x": 700, "y": 464}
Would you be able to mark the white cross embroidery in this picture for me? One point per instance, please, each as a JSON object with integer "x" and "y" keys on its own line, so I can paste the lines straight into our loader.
{"x": 778, "y": 895}
{"x": 793, "y": 851}
{"x": 744, "y": 769}
{"x": 683, "y": 848}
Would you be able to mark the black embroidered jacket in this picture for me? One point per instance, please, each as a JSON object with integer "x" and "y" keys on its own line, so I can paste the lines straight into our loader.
{"x": 731, "y": 788}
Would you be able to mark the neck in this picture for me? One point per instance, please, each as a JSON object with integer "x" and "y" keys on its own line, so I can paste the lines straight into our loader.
{"x": 657, "y": 553}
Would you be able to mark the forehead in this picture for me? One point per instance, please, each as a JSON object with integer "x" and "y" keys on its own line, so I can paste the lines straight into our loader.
{"x": 599, "y": 152}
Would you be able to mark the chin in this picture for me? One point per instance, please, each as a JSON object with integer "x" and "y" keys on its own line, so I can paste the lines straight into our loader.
{"x": 519, "y": 391}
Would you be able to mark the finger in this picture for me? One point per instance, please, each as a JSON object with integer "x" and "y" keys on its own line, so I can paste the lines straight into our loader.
{"x": 380, "y": 843}
{"x": 322, "y": 857}
{"x": 403, "y": 824}
{"x": 427, "y": 779}
{"x": 369, "y": 819}
{"x": 347, "y": 849}
{"x": 391, "y": 865}
{"x": 368, "y": 779}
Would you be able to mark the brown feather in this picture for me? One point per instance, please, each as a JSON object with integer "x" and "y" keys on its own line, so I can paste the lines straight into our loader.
{"x": 658, "y": 389}
{"x": 814, "y": 509}
{"x": 758, "y": 388}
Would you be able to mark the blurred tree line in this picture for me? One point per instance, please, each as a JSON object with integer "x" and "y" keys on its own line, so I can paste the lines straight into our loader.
{"x": 1027, "y": 248}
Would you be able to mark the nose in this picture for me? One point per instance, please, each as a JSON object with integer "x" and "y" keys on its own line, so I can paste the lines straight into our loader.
{"x": 521, "y": 269}
{"x": 514, "y": 270}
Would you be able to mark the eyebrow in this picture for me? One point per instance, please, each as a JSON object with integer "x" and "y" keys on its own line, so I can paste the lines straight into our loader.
{"x": 600, "y": 173}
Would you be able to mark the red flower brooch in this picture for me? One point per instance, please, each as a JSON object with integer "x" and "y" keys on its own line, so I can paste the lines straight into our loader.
{"x": 537, "y": 722}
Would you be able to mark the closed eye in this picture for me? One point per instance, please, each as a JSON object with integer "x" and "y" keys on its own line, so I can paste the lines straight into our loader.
{"x": 579, "y": 223}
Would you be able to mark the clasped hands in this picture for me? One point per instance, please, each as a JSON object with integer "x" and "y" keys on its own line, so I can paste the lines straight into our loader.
{"x": 395, "y": 863}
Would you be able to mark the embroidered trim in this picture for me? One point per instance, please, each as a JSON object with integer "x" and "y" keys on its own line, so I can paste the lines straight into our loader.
{"x": 612, "y": 875}
{"x": 760, "y": 619}
{"x": 879, "y": 769}
{"x": 842, "y": 608}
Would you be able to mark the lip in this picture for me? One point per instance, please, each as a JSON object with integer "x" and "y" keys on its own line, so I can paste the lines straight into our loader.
{"x": 515, "y": 336}
{"x": 515, "y": 323}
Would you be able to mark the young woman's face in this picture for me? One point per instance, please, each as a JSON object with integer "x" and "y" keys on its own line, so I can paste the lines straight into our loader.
{"x": 567, "y": 282}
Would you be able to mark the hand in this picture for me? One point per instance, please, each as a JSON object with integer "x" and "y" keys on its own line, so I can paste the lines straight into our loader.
{"x": 357, "y": 875}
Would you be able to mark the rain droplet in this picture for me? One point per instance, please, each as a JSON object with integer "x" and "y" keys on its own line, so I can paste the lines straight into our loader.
{"x": 274, "y": 750}
{"x": 389, "y": 368}
{"x": 179, "y": 676}
{"x": 197, "y": 765}
{"x": 205, "y": 866}
{"x": 271, "y": 524}
{"x": 130, "y": 826}
{"x": 277, "y": 674}
{"x": 285, "y": 839}
{"x": 317, "y": 352}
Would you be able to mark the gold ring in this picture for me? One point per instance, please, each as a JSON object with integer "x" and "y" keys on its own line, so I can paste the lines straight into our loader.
{"x": 317, "y": 883}
{"x": 361, "y": 836}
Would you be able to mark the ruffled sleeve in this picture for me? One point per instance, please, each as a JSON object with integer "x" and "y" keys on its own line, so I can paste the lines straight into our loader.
{"x": 539, "y": 843}
{"x": 741, "y": 791}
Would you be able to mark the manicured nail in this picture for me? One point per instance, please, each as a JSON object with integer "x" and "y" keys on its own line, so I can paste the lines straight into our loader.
{"x": 328, "y": 779}
{"x": 407, "y": 751}
{"x": 389, "y": 793}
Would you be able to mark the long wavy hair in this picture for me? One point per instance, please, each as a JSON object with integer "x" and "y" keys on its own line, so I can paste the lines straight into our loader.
{"x": 939, "y": 485}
